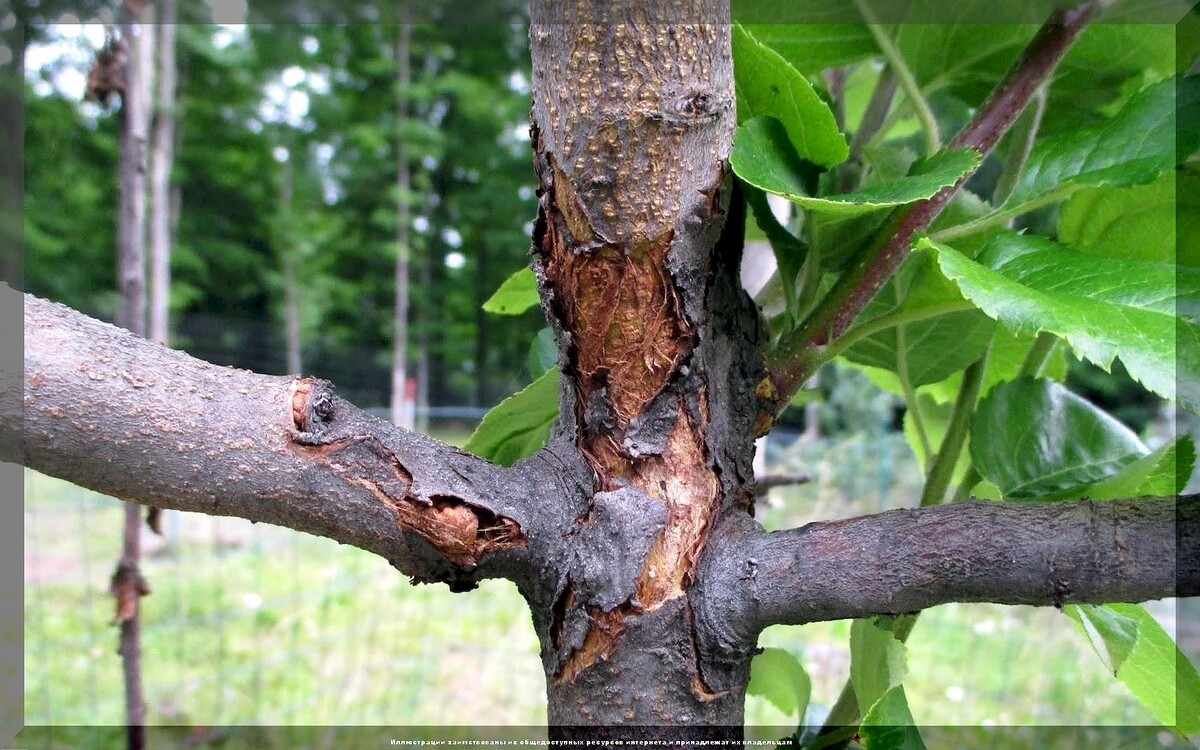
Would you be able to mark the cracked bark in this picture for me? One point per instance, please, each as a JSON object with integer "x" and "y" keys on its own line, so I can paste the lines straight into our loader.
{"x": 630, "y": 534}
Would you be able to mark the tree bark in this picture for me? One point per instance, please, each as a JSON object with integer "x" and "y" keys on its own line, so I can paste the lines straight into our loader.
{"x": 630, "y": 535}
{"x": 1041, "y": 554}
{"x": 632, "y": 122}
{"x": 133, "y": 419}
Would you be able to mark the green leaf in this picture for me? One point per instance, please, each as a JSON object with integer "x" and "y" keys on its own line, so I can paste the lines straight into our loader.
{"x": 1111, "y": 635}
{"x": 1131, "y": 148}
{"x": 1103, "y": 310}
{"x": 811, "y": 48}
{"x": 1005, "y": 360}
{"x": 543, "y": 353}
{"x": 767, "y": 85}
{"x": 877, "y": 659}
{"x": 1137, "y": 223}
{"x": 517, "y": 294}
{"x": 775, "y": 674}
{"x": 877, "y": 669}
{"x": 889, "y": 725}
{"x": 520, "y": 424}
{"x": 1160, "y": 473}
{"x": 928, "y": 350}
{"x": 1037, "y": 440}
{"x": 763, "y": 157}
{"x": 1145, "y": 660}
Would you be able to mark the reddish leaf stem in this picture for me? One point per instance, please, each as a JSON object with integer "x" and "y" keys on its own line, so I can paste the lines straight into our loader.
{"x": 799, "y": 354}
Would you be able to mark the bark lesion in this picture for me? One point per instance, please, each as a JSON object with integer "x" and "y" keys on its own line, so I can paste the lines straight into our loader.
{"x": 461, "y": 530}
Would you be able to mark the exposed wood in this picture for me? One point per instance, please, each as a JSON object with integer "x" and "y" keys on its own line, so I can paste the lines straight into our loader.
{"x": 633, "y": 118}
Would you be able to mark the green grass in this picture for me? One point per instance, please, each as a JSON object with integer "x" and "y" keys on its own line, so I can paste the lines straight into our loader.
{"x": 258, "y": 625}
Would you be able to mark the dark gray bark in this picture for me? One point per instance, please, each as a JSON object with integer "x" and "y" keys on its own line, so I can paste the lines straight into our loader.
{"x": 632, "y": 124}
{"x": 131, "y": 418}
{"x": 630, "y": 535}
{"x": 1041, "y": 554}
{"x": 136, "y": 420}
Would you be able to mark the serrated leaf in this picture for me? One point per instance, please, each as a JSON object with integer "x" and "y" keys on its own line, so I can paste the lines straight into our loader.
{"x": 930, "y": 350}
{"x": 1037, "y": 440}
{"x": 768, "y": 86}
{"x": 1118, "y": 308}
{"x": 1132, "y": 643}
{"x": 1131, "y": 148}
{"x": 1139, "y": 222}
{"x": 812, "y": 48}
{"x": 517, "y": 294}
{"x": 520, "y": 424}
{"x": 889, "y": 724}
{"x": 762, "y": 156}
{"x": 775, "y": 674}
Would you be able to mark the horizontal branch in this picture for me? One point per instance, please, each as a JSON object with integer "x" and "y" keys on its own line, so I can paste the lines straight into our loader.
{"x": 133, "y": 419}
{"x": 1008, "y": 553}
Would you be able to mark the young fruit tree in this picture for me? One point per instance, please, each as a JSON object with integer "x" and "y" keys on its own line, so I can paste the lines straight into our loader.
{"x": 659, "y": 128}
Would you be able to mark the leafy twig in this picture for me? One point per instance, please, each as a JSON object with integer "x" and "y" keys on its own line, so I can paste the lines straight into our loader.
{"x": 1021, "y": 141}
{"x": 1003, "y": 215}
{"x": 799, "y": 353}
{"x": 908, "y": 82}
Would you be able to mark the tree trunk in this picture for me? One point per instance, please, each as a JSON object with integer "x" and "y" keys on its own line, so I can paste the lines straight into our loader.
{"x": 632, "y": 123}
{"x": 401, "y": 413}
{"x": 161, "y": 159}
{"x": 128, "y": 586}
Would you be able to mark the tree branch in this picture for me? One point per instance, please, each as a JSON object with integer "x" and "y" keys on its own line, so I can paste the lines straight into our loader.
{"x": 799, "y": 353}
{"x": 1008, "y": 553}
{"x": 130, "y": 418}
